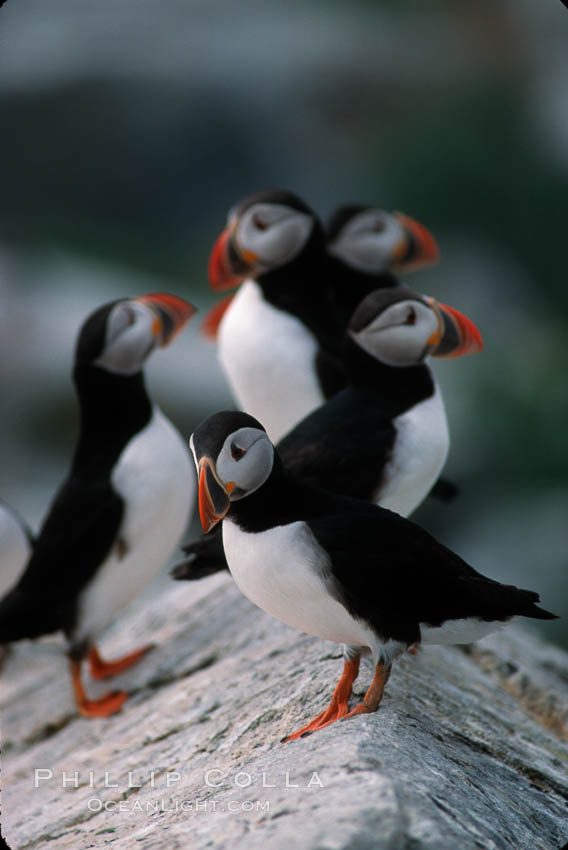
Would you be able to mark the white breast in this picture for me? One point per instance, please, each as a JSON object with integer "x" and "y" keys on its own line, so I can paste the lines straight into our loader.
{"x": 268, "y": 357}
{"x": 282, "y": 571}
{"x": 15, "y": 549}
{"x": 420, "y": 451}
{"x": 155, "y": 477}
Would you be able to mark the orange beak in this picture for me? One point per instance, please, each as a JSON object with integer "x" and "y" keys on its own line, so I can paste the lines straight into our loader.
{"x": 213, "y": 498}
{"x": 456, "y": 335}
{"x": 419, "y": 247}
{"x": 228, "y": 267}
{"x": 172, "y": 313}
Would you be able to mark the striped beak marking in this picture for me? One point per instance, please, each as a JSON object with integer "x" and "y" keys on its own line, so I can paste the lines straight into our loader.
{"x": 417, "y": 249}
{"x": 172, "y": 313}
{"x": 214, "y": 502}
{"x": 456, "y": 335}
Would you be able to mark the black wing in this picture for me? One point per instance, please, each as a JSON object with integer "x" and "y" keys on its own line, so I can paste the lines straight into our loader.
{"x": 392, "y": 573}
{"x": 206, "y": 556}
{"x": 342, "y": 446}
{"x": 79, "y": 531}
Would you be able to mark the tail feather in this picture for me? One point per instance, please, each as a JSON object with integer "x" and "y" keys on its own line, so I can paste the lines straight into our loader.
{"x": 538, "y": 613}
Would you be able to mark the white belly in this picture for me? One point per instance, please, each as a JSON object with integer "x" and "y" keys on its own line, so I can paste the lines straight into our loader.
{"x": 268, "y": 357}
{"x": 155, "y": 477}
{"x": 282, "y": 571}
{"x": 15, "y": 549}
{"x": 419, "y": 455}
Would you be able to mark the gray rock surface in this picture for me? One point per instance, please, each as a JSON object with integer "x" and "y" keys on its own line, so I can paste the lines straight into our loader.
{"x": 468, "y": 749}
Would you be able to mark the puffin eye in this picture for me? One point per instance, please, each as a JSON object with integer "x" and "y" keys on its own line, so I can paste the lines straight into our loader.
{"x": 259, "y": 222}
{"x": 378, "y": 226}
{"x": 236, "y": 452}
{"x": 410, "y": 317}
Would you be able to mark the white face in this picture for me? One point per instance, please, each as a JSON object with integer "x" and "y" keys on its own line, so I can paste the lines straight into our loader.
{"x": 401, "y": 334}
{"x": 370, "y": 241}
{"x": 246, "y": 460}
{"x": 130, "y": 336}
{"x": 273, "y": 233}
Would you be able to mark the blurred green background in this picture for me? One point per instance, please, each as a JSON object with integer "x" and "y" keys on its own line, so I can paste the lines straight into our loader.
{"x": 128, "y": 129}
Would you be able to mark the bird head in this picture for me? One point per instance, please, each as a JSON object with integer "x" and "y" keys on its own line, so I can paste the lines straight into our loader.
{"x": 119, "y": 336}
{"x": 400, "y": 327}
{"x": 373, "y": 241}
{"x": 234, "y": 457}
{"x": 266, "y": 231}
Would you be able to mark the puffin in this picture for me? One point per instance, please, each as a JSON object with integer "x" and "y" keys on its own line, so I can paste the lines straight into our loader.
{"x": 269, "y": 340}
{"x": 384, "y": 438}
{"x": 124, "y": 504}
{"x": 337, "y": 568}
{"x": 278, "y": 336}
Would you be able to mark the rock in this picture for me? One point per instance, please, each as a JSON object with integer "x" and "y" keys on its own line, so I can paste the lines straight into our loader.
{"x": 468, "y": 749}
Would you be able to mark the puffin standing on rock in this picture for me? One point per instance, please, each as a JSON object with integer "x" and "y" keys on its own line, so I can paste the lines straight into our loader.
{"x": 278, "y": 337}
{"x": 124, "y": 505}
{"x": 338, "y": 568}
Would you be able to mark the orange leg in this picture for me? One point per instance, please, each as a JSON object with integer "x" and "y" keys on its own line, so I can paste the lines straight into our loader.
{"x": 101, "y": 669}
{"x": 339, "y": 705}
{"x": 103, "y": 707}
{"x": 374, "y": 695}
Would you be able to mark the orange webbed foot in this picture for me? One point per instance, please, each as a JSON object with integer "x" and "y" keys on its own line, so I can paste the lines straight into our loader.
{"x": 338, "y": 706}
{"x": 374, "y": 695}
{"x": 106, "y": 706}
{"x": 101, "y": 669}
{"x": 370, "y": 702}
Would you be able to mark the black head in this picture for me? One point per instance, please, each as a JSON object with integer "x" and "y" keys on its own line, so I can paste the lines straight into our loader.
{"x": 373, "y": 241}
{"x": 120, "y": 335}
{"x": 234, "y": 457}
{"x": 400, "y": 327}
{"x": 265, "y": 232}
